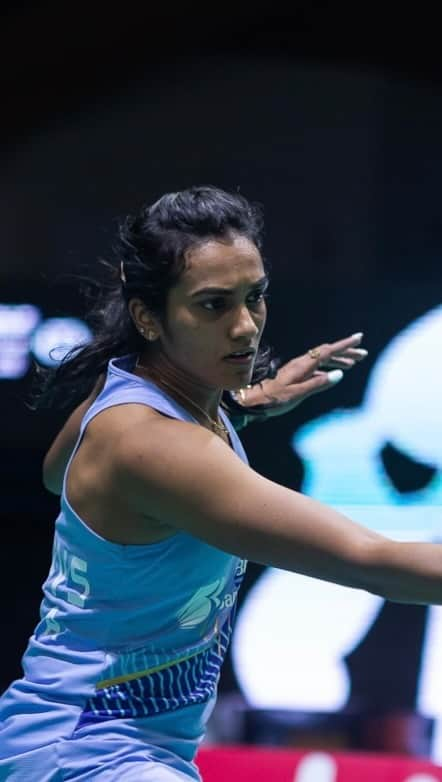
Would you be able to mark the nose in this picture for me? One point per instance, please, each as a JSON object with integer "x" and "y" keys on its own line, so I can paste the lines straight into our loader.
{"x": 243, "y": 325}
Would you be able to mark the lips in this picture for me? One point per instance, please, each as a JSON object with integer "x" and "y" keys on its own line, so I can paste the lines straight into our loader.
{"x": 241, "y": 356}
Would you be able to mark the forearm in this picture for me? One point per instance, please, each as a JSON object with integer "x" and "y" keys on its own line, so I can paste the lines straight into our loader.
{"x": 304, "y": 536}
{"x": 337, "y": 549}
{"x": 406, "y": 572}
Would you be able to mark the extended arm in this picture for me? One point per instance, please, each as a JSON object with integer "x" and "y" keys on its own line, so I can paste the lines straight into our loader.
{"x": 213, "y": 495}
{"x": 295, "y": 381}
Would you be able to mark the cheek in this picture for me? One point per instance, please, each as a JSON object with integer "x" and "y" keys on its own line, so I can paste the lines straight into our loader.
{"x": 187, "y": 333}
{"x": 179, "y": 322}
{"x": 261, "y": 320}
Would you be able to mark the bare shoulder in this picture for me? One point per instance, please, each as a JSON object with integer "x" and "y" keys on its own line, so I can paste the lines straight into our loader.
{"x": 111, "y": 432}
{"x": 143, "y": 443}
{"x": 158, "y": 474}
{"x": 181, "y": 471}
{"x": 168, "y": 453}
{"x": 94, "y": 485}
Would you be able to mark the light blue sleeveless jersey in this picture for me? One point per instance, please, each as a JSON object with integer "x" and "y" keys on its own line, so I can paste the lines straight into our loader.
{"x": 131, "y": 637}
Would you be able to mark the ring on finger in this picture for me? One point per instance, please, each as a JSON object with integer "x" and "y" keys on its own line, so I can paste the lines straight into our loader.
{"x": 314, "y": 353}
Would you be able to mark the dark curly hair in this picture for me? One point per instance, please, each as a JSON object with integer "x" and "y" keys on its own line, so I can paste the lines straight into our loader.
{"x": 149, "y": 256}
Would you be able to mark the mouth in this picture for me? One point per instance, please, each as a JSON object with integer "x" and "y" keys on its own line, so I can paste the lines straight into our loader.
{"x": 241, "y": 357}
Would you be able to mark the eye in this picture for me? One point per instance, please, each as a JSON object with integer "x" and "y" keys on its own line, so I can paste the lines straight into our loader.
{"x": 405, "y": 473}
{"x": 256, "y": 297}
{"x": 213, "y": 304}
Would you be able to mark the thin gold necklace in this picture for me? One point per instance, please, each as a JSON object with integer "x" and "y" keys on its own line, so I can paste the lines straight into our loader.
{"x": 217, "y": 427}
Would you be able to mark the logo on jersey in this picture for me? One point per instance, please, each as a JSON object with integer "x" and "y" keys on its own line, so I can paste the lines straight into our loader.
{"x": 200, "y": 605}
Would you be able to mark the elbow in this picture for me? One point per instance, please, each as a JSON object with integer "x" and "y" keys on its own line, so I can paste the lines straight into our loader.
{"x": 52, "y": 482}
{"x": 52, "y": 487}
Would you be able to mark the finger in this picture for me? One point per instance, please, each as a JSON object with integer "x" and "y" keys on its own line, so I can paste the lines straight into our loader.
{"x": 337, "y": 362}
{"x": 315, "y": 359}
{"x": 320, "y": 354}
{"x": 349, "y": 342}
{"x": 301, "y": 366}
{"x": 320, "y": 381}
{"x": 344, "y": 361}
{"x": 357, "y": 354}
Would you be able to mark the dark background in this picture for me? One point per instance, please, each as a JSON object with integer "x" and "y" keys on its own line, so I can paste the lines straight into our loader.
{"x": 330, "y": 117}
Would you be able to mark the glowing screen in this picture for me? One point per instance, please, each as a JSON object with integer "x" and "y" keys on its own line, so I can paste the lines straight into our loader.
{"x": 379, "y": 464}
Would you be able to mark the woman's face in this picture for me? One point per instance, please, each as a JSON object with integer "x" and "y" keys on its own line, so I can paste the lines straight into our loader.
{"x": 216, "y": 313}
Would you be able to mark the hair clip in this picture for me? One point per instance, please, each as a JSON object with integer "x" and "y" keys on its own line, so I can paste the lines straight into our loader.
{"x": 122, "y": 274}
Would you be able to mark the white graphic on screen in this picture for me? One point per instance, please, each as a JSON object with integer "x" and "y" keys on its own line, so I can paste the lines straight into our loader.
{"x": 293, "y": 632}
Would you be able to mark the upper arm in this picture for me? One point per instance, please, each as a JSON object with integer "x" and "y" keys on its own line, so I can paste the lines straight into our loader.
{"x": 58, "y": 455}
{"x": 187, "y": 477}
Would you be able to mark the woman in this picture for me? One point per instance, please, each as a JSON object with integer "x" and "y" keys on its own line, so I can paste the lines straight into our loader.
{"x": 160, "y": 511}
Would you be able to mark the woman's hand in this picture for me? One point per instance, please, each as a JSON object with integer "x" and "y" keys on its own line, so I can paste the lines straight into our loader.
{"x": 317, "y": 370}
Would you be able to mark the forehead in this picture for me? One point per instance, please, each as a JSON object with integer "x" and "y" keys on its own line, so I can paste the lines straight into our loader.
{"x": 223, "y": 264}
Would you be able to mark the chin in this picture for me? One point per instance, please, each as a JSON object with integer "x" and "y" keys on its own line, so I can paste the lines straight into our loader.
{"x": 239, "y": 380}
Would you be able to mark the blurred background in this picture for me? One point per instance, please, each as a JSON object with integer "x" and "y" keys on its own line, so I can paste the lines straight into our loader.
{"x": 331, "y": 119}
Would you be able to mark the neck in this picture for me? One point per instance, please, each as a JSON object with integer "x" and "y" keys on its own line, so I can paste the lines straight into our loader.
{"x": 160, "y": 369}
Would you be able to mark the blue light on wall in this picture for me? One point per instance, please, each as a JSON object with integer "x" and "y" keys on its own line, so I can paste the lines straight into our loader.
{"x": 17, "y": 322}
{"x": 25, "y": 334}
{"x": 54, "y": 337}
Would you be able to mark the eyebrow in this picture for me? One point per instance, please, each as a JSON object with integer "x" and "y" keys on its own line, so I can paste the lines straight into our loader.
{"x": 228, "y": 291}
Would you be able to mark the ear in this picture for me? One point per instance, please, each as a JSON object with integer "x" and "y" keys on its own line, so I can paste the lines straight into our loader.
{"x": 145, "y": 322}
